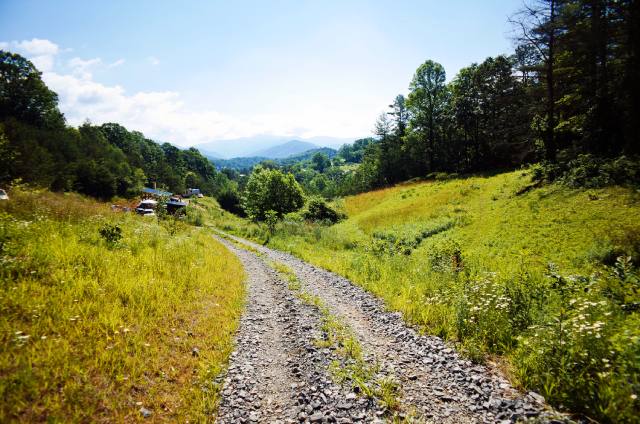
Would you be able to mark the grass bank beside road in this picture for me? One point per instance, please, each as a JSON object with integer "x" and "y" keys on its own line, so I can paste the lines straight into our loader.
{"x": 107, "y": 317}
{"x": 544, "y": 280}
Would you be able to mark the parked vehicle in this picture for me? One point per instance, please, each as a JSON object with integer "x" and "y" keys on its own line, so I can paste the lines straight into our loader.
{"x": 3, "y": 195}
{"x": 146, "y": 207}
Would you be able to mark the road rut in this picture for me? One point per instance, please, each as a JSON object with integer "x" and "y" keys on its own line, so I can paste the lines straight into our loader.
{"x": 280, "y": 374}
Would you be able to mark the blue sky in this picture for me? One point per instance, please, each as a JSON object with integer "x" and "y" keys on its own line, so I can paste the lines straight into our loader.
{"x": 191, "y": 72}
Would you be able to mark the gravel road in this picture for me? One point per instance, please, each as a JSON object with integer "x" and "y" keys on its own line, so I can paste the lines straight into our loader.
{"x": 280, "y": 373}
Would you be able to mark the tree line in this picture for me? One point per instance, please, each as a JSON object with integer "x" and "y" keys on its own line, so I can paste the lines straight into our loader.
{"x": 568, "y": 96}
{"x": 102, "y": 161}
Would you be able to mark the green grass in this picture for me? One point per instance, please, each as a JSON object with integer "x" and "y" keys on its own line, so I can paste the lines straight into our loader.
{"x": 528, "y": 279}
{"x": 93, "y": 328}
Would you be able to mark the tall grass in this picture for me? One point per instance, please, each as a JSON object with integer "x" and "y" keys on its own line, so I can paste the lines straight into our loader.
{"x": 95, "y": 326}
{"x": 532, "y": 278}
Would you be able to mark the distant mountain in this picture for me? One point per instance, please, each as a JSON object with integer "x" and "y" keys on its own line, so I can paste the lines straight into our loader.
{"x": 287, "y": 149}
{"x": 252, "y": 146}
{"x": 238, "y": 163}
{"x": 331, "y": 153}
{"x": 246, "y": 163}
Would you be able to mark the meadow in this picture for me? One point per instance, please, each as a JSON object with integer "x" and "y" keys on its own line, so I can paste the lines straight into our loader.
{"x": 107, "y": 316}
{"x": 539, "y": 281}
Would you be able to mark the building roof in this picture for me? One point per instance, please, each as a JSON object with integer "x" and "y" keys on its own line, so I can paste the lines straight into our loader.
{"x": 156, "y": 192}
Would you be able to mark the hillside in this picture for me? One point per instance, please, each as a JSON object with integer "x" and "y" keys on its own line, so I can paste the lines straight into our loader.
{"x": 246, "y": 163}
{"x": 473, "y": 261}
{"x": 108, "y": 316}
{"x": 287, "y": 149}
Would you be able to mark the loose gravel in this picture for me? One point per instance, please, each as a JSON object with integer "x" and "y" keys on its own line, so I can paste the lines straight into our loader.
{"x": 278, "y": 372}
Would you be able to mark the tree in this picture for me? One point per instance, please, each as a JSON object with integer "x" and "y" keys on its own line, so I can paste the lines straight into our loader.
{"x": 23, "y": 94}
{"x": 426, "y": 102}
{"x": 320, "y": 162}
{"x": 400, "y": 115}
{"x": 538, "y": 28}
{"x": 270, "y": 189}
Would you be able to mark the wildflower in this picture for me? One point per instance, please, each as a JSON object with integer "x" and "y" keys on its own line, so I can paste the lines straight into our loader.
{"x": 634, "y": 396}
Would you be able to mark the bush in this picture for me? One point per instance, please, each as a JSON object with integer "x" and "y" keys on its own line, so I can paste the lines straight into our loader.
{"x": 270, "y": 189}
{"x": 446, "y": 256}
{"x": 318, "y": 210}
{"x": 586, "y": 346}
{"x": 111, "y": 234}
{"x": 230, "y": 201}
{"x": 590, "y": 171}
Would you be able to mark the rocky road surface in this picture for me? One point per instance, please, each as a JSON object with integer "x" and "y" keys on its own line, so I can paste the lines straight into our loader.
{"x": 280, "y": 373}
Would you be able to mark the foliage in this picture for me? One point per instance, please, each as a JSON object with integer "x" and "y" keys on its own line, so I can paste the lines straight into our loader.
{"x": 318, "y": 210}
{"x": 271, "y": 190}
{"x": 101, "y": 161}
{"x": 88, "y": 332}
{"x": 271, "y": 219}
{"x": 23, "y": 94}
{"x": 586, "y": 170}
{"x": 320, "y": 162}
{"x": 230, "y": 200}
{"x": 111, "y": 233}
{"x": 481, "y": 278}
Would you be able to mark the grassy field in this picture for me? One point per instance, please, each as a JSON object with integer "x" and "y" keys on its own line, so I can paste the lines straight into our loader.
{"x": 104, "y": 313}
{"x": 526, "y": 277}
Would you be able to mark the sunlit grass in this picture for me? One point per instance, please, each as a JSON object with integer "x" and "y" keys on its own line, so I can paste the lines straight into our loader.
{"x": 500, "y": 271}
{"x": 93, "y": 331}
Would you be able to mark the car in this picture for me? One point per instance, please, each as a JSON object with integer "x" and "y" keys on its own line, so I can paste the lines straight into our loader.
{"x": 146, "y": 207}
{"x": 3, "y": 195}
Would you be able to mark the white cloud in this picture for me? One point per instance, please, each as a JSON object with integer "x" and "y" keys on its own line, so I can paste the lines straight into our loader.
{"x": 116, "y": 63}
{"x": 153, "y": 60}
{"x": 38, "y": 47}
{"x": 81, "y": 68}
{"x": 41, "y": 52}
{"x": 163, "y": 115}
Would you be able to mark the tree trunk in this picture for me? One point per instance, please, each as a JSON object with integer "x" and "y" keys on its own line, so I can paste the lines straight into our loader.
{"x": 550, "y": 139}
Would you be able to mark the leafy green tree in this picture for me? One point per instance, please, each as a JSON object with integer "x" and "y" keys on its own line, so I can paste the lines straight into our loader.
{"x": 271, "y": 190}
{"x": 320, "y": 162}
{"x": 23, "y": 94}
{"x": 427, "y": 102}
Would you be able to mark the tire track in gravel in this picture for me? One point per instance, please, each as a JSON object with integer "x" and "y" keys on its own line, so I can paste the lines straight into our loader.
{"x": 436, "y": 384}
{"x": 276, "y": 373}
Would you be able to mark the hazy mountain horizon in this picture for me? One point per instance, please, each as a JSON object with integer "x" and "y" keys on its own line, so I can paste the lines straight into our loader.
{"x": 255, "y": 145}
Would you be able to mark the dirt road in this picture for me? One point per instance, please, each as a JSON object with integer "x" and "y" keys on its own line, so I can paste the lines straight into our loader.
{"x": 286, "y": 369}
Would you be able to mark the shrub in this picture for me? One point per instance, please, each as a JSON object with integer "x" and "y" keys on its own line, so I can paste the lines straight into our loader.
{"x": 586, "y": 347}
{"x": 446, "y": 256}
{"x": 590, "y": 171}
{"x": 111, "y": 234}
{"x": 230, "y": 201}
{"x": 318, "y": 210}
